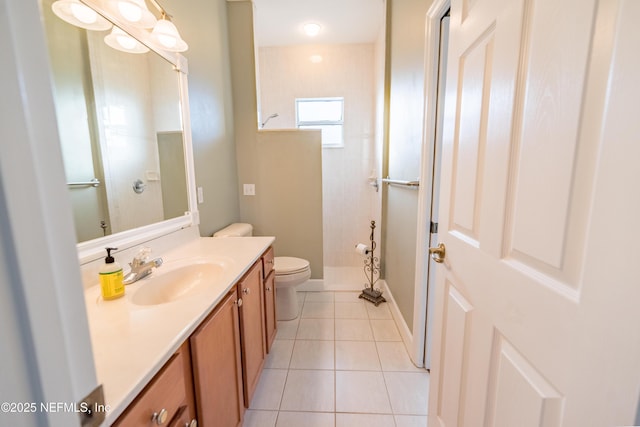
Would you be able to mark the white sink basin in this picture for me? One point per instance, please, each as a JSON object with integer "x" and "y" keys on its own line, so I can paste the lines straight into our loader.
{"x": 178, "y": 282}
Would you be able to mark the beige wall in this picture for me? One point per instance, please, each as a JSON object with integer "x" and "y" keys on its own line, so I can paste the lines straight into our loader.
{"x": 400, "y": 205}
{"x": 285, "y": 167}
{"x": 288, "y": 196}
{"x": 203, "y": 24}
{"x": 347, "y": 70}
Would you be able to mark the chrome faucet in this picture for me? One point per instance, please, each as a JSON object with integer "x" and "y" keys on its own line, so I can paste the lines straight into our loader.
{"x": 141, "y": 266}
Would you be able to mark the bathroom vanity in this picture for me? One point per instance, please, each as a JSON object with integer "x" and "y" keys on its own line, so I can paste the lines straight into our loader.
{"x": 185, "y": 345}
{"x": 193, "y": 351}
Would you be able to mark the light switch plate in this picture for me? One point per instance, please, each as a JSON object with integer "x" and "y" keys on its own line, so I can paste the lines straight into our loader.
{"x": 200, "y": 195}
{"x": 249, "y": 189}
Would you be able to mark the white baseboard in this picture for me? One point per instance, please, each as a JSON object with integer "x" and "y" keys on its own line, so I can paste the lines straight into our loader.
{"x": 405, "y": 332}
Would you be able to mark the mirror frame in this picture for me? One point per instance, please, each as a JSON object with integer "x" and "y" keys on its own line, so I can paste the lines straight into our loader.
{"x": 94, "y": 249}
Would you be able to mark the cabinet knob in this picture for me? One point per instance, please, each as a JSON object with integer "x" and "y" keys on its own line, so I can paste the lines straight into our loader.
{"x": 160, "y": 417}
{"x": 193, "y": 423}
{"x": 246, "y": 291}
{"x": 268, "y": 289}
{"x": 238, "y": 302}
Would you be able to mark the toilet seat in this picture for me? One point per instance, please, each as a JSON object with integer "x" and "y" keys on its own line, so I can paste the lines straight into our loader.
{"x": 285, "y": 266}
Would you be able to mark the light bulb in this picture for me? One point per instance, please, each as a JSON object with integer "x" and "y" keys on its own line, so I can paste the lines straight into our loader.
{"x": 166, "y": 34}
{"x": 312, "y": 29}
{"x": 130, "y": 11}
{"x": 122, "y": 41}
{"x": 83, "y": 14}
{"x": 167, "y": 41}
{"x": 126, "y": 42}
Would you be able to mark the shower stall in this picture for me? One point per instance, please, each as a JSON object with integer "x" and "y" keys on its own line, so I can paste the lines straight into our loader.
{"x": 350, "y": 170}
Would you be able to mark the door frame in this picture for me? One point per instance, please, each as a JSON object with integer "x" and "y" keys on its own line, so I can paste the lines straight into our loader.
{"x": 42, "y": 310}
{"x": 434, "y": 15}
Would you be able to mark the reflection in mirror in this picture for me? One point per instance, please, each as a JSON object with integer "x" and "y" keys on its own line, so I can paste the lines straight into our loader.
{"x": 120, "y": 126}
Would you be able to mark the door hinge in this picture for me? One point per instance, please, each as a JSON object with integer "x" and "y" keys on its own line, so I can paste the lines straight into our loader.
{"x": 434, "y": 227}
{"x": 93, "y": 409}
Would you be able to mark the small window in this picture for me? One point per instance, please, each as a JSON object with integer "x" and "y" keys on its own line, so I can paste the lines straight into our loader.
{"x": 326, "y": 114}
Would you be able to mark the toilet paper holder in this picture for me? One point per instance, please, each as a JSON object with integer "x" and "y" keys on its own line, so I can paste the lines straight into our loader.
{"x": 371, "y": 270}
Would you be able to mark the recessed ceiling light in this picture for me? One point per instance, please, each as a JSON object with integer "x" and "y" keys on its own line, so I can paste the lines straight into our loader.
{"x": 316, "y": 59}
{"x": 312, "y": 29}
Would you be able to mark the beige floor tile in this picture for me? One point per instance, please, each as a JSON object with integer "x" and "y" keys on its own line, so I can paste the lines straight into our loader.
{"x": 357, "y": 356}
{"x": 313, "y": 354}
{"x": 361, "y": 392}
{"x": 350, "y": 310}
{"x": 385, "y": 330}
{"x": 316, "y": 329}
{"x": 306, "y": 419}
{"x": 287, "y": 329}
{"x": 410, "y": 421}
{"x": 269, "y": 390}
{"x": 254, "y": 418}
{"x": 346, "y": 296}
{"x": 380, "y": 312}
{"x": 394, "y": 357}
{"x": 342, "y": 363}
{"x": 280, "y": 354}
{"x": 364, "y": 420}
{"x": 408, "y": 392}
{"x": 318, "y": 310}
{"x": 307, "y": 390}
{"x": 353, "y": 330}
{"x": 319, "y": 297}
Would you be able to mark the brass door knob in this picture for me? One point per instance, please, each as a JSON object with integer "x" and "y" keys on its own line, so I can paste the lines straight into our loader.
{"x": 438, "y": 253}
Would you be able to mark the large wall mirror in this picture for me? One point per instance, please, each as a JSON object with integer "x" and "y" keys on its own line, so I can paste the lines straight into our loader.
{"x": 121, "y": 122}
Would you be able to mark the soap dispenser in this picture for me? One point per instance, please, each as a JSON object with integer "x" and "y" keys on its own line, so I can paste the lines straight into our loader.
{"x": 111, "y": 277}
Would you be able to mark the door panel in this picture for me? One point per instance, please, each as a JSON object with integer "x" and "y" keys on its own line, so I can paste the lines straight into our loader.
{"x": 519, "y": 394}
{"x": 457, "y": 316}
{"x": 544, "y": 196}
{"x": 534, "y": 302}
{"x": 469, "y": 145}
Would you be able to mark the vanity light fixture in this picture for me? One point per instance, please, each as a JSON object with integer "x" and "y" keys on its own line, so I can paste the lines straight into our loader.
{"x": 122, "y": 41}
{"x": 80, "y": 15}
{"x": 134, "y": 12}
{"x": 312, "y": 29}
{"x": 166, "y": 35}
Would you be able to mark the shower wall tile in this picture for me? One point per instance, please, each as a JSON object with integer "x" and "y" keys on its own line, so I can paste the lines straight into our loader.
{"x": 349, "y": 202}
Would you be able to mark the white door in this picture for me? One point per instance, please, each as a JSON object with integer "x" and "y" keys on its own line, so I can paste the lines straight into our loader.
{"x": 537, "y": 320}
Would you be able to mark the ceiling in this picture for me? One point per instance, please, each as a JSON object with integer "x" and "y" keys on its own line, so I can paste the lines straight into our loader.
{"x": 280, "y": 22}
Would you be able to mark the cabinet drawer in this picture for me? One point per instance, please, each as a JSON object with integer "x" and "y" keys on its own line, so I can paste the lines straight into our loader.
{"x": 267, "y": 263}
{"x": 167, "y": 391}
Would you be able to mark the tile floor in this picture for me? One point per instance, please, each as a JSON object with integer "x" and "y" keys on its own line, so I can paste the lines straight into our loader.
{"x": 340, "y": 364}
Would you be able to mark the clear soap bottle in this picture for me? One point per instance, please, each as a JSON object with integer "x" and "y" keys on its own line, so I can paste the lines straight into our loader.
{"x": 111, "y": 277}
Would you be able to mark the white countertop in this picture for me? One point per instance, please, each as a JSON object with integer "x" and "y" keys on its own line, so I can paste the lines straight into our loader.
{"x": 132, "y": 342}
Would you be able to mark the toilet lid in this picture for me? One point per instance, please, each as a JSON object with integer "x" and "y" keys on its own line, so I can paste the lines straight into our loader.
{"x": 289, "y": 265}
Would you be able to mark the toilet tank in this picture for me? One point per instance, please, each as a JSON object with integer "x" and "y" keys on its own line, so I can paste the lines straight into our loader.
{"x": 235, "y": 230}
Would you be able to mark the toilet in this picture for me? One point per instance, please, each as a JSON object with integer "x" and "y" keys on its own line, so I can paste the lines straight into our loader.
{"x": 290, "y": 272}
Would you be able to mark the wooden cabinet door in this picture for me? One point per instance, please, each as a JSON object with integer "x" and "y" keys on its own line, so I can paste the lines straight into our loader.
{"x": 167, "y": 396}
{"x": 270, "y": 309}
{"x": 217, "y": 367}
{"x": 269, "y": 295}
{"x": 252, "y": 329}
